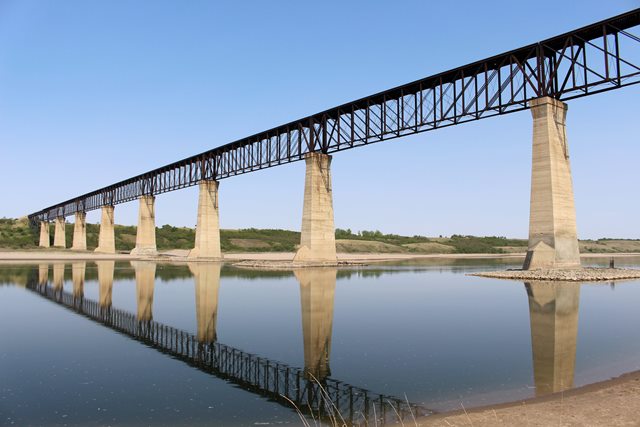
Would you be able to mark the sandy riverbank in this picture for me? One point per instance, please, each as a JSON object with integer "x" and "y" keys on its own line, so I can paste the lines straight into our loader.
{"x": 614, "y": 402}
{"x": 181, "y": 255}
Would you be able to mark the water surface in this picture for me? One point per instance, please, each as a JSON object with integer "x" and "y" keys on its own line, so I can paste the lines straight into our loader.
{"x": 140, "y": 343}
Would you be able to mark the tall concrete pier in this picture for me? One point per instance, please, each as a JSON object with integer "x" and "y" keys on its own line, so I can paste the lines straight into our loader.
{"x": 207, "y": 278}
{"x": 105, "y": 282}
{"x": 146, "y": 235}
{"x": 45, "y": 238}
{"x": 207, "y": 243}
{"x": 317, "y": 291}
{"x": 553, "y": 239}
{"x": 145, "y": 279}
{"x": 317, "y": 240}
{"x": 553, "y": 312}
{"x": 80, "y": 232}
{"x": 107, "y": 237}
{"x": 59, "y": 238}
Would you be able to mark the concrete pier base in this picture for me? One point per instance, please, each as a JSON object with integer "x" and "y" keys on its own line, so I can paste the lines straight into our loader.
{"x": 553, "y": 240}
{"x": 146, "y": 234}
{"x": 80, "y": 232}
{"x": 59, "y": 238}
{"x": 207, "y": 277}
{"x": 317, "y": 240}
{"x": 553, "y": 311}
{"x": 105, "y": 282}
{"x": 145, "y": 279}
{"x": 317, "y": 291}
{"x": 107, "y": 237}
{"x": 45, "y": 238}
{"x": 207, "y": 245}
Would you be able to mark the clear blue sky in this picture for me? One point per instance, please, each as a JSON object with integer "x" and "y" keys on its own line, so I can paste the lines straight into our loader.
{"x": 95, "y": 92}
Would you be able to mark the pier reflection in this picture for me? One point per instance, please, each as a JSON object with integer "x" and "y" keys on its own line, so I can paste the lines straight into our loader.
{"x": 78, "y": 270}
{"x": 105, "y": 282}
{"x": 553, "y": 312}
{"x": 43, "y": 274}
{"x": 58, "y": 276}
{"x": 320, "y": 395}
{"x": 145, "y": 279}
{"x": 207, "y": 278}
{"x": 317, "y": 291}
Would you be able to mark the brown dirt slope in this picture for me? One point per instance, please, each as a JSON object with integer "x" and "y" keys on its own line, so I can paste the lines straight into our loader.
{"x": 430, "y": 248}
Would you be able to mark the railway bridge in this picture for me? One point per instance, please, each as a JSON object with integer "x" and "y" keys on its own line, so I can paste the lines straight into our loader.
{"x": 539, "y": 77}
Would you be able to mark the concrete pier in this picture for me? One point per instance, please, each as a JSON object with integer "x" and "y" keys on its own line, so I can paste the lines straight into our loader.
{"x": 317, "y": 291}
{"x": 207, "y": 277}
{"x": 317, "y": 240}
{"x": 80, "y": 232}
{"x": 78, "y": 270}
{"x": 106, "y": 237}
{"x": 146, "y": 234}
{"x": 145, "y": 281}
{"x": 553, "y": 239}
{"x": 59, "y": 238}
{"x": 105, "y": 282}
{"x": 207, "y": 243}
{"x": 45, "y": 238}
{"x": 553, "y": 312}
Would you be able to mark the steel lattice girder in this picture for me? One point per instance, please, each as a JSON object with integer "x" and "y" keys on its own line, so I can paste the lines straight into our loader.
{"x": 596, "y": 58}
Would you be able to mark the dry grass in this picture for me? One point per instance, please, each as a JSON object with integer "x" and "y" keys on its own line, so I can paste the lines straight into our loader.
{"x": 334, "y": 417}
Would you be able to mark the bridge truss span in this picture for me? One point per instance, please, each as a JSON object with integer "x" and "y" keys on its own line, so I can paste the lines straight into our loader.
{"x": 599, "y": 57}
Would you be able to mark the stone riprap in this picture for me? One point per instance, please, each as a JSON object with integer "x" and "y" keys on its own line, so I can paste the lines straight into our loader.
{"x": 567, "y": 275}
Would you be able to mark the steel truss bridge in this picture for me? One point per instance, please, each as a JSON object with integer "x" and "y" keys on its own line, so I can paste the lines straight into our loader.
{"x": 325, "y": 399}
{"x": 596, "y": 58}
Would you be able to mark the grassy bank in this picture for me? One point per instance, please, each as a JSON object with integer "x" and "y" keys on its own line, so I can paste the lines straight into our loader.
{"x": 16, "y": 234}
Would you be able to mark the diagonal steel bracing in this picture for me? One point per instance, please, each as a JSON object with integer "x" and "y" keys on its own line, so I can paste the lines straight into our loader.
{"x": 599, "y": 57}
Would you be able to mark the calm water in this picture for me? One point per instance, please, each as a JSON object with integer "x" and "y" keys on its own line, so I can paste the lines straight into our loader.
{"x": 144, "y": 343}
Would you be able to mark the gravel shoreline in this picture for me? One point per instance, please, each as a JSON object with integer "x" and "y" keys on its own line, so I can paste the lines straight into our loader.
{"x": 565, "y": 275}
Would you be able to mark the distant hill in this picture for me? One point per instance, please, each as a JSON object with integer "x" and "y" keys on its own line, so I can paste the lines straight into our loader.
{"x": 16, "y": 234}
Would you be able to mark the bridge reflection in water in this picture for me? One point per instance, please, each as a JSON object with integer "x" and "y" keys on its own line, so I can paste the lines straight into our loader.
{"x": 553, "y": 311}
{"x": 311, "y": 389}
{"x": 207, "y": 278}
{"x": 317, "y": 290}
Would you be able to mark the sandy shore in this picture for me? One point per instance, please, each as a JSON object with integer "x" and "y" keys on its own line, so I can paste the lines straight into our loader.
{"x": 614, "y": 402}
{"x": 181, "y": 255}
